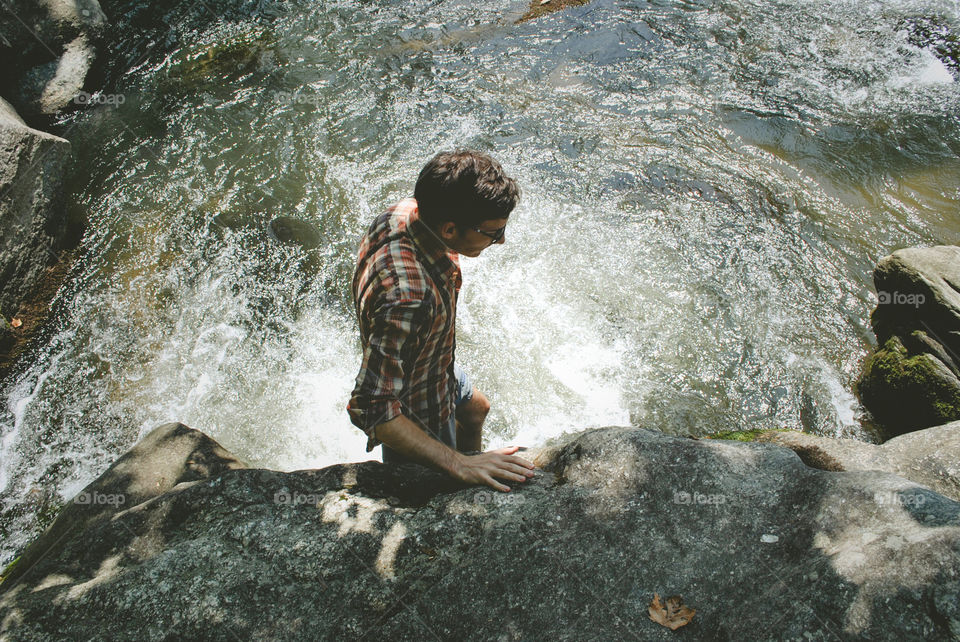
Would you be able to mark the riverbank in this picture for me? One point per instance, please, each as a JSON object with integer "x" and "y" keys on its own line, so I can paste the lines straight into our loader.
{"x": 728, "y": 178}
{"x": 195, "y": 545}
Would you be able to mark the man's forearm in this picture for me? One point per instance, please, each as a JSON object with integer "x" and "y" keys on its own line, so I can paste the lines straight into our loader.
{"x": 408, "y": 439}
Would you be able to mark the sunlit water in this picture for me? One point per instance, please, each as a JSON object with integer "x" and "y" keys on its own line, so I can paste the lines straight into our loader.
{"x": 706, "y": 189}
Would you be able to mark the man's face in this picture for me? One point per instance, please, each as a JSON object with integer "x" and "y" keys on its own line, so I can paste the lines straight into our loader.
{"x": 471, "y": 241}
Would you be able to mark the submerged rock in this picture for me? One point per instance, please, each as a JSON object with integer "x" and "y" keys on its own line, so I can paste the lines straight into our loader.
{"x": 762, "y": 546}
{"x": 295, "y": 231}
{"x": 542, "y": 7}
{"x": 913, "y": 380}
{"x": 214, "y": 63}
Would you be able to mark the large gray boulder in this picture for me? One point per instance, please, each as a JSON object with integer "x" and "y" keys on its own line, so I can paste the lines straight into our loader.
{"x": 919, "y": 289}
{"x": 170, "y": 455}
{"x": 50, "y": 46}
{"x": 761, "y": 545}
{"x": 913, "y": 380}
{"x": 32, "y": 222}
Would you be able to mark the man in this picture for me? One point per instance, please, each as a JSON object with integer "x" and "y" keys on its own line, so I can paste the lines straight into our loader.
{"x": 409, "y": 394}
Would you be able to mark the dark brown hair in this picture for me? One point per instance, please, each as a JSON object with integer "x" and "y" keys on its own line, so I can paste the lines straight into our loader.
{"x": 466, "y": 187}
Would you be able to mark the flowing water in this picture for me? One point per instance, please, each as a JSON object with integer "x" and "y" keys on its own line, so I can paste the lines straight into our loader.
{"x": 707, "y": 186}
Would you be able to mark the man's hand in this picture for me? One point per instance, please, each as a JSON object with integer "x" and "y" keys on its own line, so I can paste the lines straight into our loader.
{"x": 485, "y": 467}
{"x": 408, "y": 439}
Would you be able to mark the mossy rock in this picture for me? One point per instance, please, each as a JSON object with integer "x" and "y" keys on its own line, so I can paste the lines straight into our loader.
{"x": 907, "y": 392}
{"x": 8, "y": 568}
{"x": 539, "y": 8}
{"x": 211, "y": 64}
{"x": 737, "y": 435}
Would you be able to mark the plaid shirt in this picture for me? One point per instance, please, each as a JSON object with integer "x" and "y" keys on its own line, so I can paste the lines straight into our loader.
{"x": 405, "y": 290}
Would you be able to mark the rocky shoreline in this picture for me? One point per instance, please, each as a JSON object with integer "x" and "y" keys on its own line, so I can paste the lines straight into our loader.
{"x": 776, "y": 535}
{"x": 63, "y": 56}
{"x": 913, "y": 380}
{"x": 180, "y": 540}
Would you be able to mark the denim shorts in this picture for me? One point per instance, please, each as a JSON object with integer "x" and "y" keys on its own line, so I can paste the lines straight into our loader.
{"x": 464, "y": 393}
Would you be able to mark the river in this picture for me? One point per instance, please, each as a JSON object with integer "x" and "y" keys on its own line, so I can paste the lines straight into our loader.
{"x": 706, "y": 188}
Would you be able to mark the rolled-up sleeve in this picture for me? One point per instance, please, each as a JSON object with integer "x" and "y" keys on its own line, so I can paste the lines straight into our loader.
{"x": 387, "y": 356}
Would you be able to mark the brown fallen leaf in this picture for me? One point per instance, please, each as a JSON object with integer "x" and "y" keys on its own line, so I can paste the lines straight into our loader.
{"x": 673, "y": 615}
{"x": 16, "y": 323}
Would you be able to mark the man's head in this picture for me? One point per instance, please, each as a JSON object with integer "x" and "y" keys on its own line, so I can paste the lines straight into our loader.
{"x": 465, "y": 197}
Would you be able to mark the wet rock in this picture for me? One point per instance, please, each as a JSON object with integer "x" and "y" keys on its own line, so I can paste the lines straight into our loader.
{"x": 930, "y": 457}
{"x": 913, "y": 380}
{"x": 32, "y": 225}
{"x": 908, "y": 391}
{"x": 295, "y": 231}
{"x": 51, "y": 45}
{"x": 169, "y": 456}
{"x": 7, "y": 336}
{"x": 48, "y": 88}
{"x": 919, "y": 289}
{"x": 756, "y": 541}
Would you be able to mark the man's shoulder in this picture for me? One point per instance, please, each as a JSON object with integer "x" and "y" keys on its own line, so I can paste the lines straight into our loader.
{"x": 388, "y": 242}
{"x": 393, "y": 222}
{"x": 389, "y": 255}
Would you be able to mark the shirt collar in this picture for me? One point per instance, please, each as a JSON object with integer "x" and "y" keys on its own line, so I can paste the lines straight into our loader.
{"x": 434, "y": 251}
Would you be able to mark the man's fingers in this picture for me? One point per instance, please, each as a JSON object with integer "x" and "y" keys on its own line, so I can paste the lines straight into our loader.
{"x": 509, "y": 456}
{"x": 514, "y": 468}
{"x": 497, "y": 485}
{"x": 520, "y": 461}
{"x": 509, "y": 450}
{"x": 505, "y": 473}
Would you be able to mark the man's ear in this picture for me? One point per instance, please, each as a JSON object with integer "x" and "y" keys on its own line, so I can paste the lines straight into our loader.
{"x": 447, "y": 230}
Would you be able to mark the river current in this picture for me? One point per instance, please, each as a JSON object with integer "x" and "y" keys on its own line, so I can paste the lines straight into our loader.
{"x": 706, "y": 188}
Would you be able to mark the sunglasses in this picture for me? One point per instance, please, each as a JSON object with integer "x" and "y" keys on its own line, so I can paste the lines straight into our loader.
{"x": 496, "y": 235}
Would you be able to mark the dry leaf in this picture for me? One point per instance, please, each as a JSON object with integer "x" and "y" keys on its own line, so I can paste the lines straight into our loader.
{"x": 673, "y": 615}
{"x": 16, "y": 323}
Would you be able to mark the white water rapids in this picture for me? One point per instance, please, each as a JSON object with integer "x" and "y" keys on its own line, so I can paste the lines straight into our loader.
{"x": 707, "y": 186}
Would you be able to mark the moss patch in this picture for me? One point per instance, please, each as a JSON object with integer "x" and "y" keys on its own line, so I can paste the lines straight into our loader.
{"x": 907, "y": 392}
{"x": 737, "y": 435}
{"x": 538, "y": 9}
{"x": 8, "y": 569}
